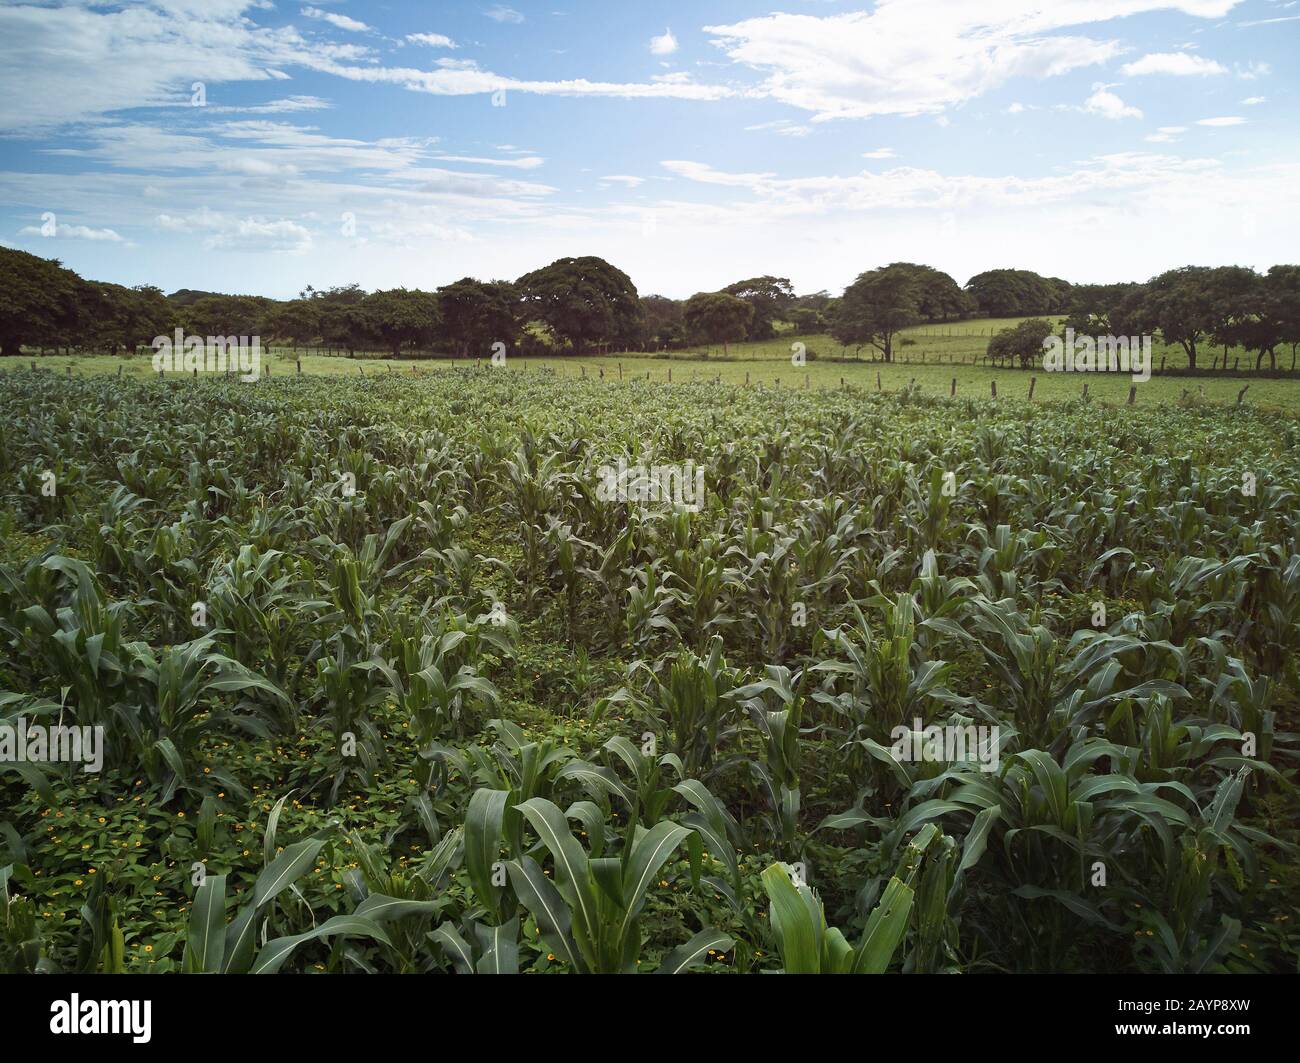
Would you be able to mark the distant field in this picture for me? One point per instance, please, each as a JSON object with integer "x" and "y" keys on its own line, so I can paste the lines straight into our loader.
{"x": 932, "y": 356}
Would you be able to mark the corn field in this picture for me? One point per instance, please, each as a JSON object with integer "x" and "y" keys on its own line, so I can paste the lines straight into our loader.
{"x": 385, "y": 683}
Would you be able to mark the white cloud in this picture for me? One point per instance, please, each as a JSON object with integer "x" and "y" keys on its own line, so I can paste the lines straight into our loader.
{"x": 1177, "y": 63}
{"x": 226, "y": 232}
{"x": 705, "y": 174}
{"x": 74, "y": 63}
{"x": 911, "y": 57}
{"x": 1226, "y": 121}
{"x": 1253, "y": 70}
{"x": 338, "y": 21}
{"x": 525, "y": 162}
{"x": 624, "y": 179}
{"x": 665, "y": 45}
{"x": 1106, "y": 104}
{"x": 1143, "y": 175}
{"x": 73, "y": 232}
{"x": 880, "y": 153}
{"x": 433, "y": 40}
{"x": 287, "y": 105}
{"x": 1166, "y": 134}
{"x": 501, "y": 13}
{"x": 1269, "y": 21}
{"x": 463, "y": 77}
{"x": 1252, "y": 101}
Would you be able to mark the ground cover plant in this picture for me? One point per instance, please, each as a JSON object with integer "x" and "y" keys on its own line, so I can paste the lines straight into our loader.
{"x": 386, "y": 681}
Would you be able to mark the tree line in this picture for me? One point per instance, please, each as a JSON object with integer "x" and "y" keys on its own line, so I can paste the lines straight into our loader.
{"x": 577, "y": 305}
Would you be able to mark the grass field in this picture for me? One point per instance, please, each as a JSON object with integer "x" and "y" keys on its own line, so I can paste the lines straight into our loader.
{"x": 937, "y": 355}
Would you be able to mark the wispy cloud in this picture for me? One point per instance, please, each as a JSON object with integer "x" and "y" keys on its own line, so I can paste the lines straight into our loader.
{"x": 1180, "y": 64}
{"x": 433, "y": 40}
{"x": 501, "y": 13}
{"x": 60, "y": 231}
{"x": 342, "y": 22}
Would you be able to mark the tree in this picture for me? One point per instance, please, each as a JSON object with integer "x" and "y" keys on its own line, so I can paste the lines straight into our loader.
{"x": 1178, "y": 303}
{"x": 805, "y": 321}
{"x": 876, "y": 306}
{"x": 296, "y": 320}
{"x": 663, "y": 325}
{"x": 1017, "y": 293}
{"x": 341, "y": 320}
{"x": 769, "y": 296}
{"x": 1098, "y": 309}
{"x": 1023, "y": 343}
{"x": 1235, "y": 301}
{"x": 716, "y": 317}
{"x": 116, "y": 317}
{"x": 1266, "y": 316}
{"x": 1282, "y": 283}
{"x": 40, "y": 301}
{"x": 477, "y": 314}
{"x": 939, "y": 298}
{"x": 225, "y": 315}
{"x": 582, "y": 301}
{"x": 402, "y": 317}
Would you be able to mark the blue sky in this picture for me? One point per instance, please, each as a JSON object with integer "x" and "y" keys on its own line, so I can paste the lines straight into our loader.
{"x": 691, "y": 144}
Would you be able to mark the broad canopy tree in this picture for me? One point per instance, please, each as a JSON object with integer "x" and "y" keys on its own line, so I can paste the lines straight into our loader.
{"x": 717, "y": 317}
{"x": 1022, "y": 344}
{"x": 878, "y": 305}
{"x": 1018, "y": 293}
{"x": 770, "y": 297}
{"x": 40, "y": 301}
{"x": 582, "y": 301}
{"x": 476, "y": 314}
{"x": 401, "y": 317}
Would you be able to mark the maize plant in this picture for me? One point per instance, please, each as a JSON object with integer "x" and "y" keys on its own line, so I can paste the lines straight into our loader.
{"x": 589, "y": 916}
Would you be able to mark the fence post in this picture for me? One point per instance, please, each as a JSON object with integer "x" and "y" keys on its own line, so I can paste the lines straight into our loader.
{"x": 1242, "y": 394}
{"x": 1132, "y": 394}
{"x": 1032, "y": 381}
{"x": 953, "y": 391}
{"x": 878, "y": 387}
{"x": 994, "y": 385}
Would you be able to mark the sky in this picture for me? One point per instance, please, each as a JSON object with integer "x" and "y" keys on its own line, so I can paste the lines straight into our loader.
{"x": 259, "y": 147}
